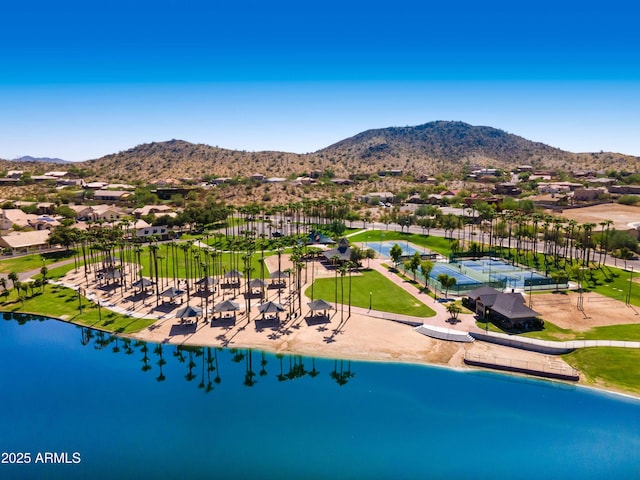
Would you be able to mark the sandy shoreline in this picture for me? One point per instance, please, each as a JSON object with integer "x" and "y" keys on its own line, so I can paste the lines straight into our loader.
{"x": 360, "y": 336}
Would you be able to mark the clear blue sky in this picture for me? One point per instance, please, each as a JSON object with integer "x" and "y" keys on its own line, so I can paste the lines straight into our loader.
{"x": 79, "y": 80}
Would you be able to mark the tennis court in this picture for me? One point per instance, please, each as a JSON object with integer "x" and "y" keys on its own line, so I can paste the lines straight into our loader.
{"x": 384, "y": 248}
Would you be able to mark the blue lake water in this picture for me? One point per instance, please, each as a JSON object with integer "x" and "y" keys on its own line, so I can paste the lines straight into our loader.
{"x": 129, "y": 414}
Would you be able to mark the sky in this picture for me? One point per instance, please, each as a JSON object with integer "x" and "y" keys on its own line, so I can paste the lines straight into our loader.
{"x": 80, "y": 79}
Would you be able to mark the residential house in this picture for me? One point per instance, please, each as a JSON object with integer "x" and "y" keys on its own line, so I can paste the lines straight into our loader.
{"x": 376, "y": 197}
{"x": 111, "y": 195}
{"x": 25, "y": 242}
{"x": 144, "y": 232}
{"x": 507, "y": 188}
{"x": 589, "y": 194}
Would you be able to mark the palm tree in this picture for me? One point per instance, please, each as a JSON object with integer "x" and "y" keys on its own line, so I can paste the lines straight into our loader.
{"x": 453, "y": 310}
{"x": 343, "y": 271}
{"x": 13, "y": 276}
{"x": 154, "y": 252}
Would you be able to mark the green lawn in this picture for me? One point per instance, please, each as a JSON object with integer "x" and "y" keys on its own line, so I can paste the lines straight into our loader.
{"x": 62, "y": 303}
{"x": 32, "y": 262}
{"x": 552, "y": 332}
{"x": 608, "y": 367}
{"x": 386, "y": 296}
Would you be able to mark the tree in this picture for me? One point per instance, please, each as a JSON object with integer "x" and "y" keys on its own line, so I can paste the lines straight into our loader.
{"x": 447, "y": 282}
{"x": 413, "y": 264}
{"x": 426, "y": 266}
{"x": 396, "y": 253}
{"x": 370, "y": 253}
{"x": 453, "y": 310}
{"x": 13, "y": 276}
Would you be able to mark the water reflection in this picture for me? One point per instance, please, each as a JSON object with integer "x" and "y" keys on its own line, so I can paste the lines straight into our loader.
{"x": 203, "y": 366}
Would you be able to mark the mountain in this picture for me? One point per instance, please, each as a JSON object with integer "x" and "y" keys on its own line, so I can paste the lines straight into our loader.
{"x": 431, "y": 148}
{"x": 452, "y": 141}
{"x": 28, "y": 158}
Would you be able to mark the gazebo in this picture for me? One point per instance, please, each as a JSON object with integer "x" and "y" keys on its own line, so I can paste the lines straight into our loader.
{"x": 270, "y": 307}
{"x": 171, "y": 293}
{"x": 319, "y": 305}
{"x": 143, "y": 283}
{"x": 188, "y": 312}
{"x": 278, "y": 279}
{"x": 205, "y": 282}
{"x": 226, "y": 307}
{"x": 257, "y": 284}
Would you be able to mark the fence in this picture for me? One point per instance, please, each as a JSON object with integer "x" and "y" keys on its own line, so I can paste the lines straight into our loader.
{"x": 553, "y": 369}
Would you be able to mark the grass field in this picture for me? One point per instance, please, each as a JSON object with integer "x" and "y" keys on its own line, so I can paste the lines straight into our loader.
{"x": 608, "y": 367}
{"x": 628, "y": 332}
{"x": 385, "y": 295}
{"x": 60, "y": 302}
{"x": 25, "y": 263}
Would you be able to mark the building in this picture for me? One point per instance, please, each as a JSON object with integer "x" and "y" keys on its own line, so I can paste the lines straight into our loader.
{"x": 377, "y": 197}
{"x": 507, "y": 188}
{"x": 589, "y": 194}
{"x": 25, "y": 242}
{"x": 111, "y": 195}
{"x": 505, "y": 309}
{"x": 144, "y": 231}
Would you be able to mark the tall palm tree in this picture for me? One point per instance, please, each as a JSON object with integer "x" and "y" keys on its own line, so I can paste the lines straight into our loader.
{"x": 343, "y": 271}
{"x": 154, "y": 252}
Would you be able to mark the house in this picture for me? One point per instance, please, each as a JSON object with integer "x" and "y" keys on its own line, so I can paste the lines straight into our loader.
{"x": 506, "y": 309}
{"x": 44, "y": 222}
{"x": 376, "y": 197}
{"x": 342, "y": 181}
{"x": 111, "y": 195}
{"x": 422, "y": 178}
{"x": 625, "y": 189}
{"x": 549, "y": 200}
{"x": 83, "y": 212}
{"x": 152, "y": 210}
{"x": 144, "y": 231}
{"x": 95, "y": 185}
{"x": 25, "y": 242}
{"x": 56, "y": 174}
{"x": 14, "y": 216}
{"x": 588, "y": 194}
{"x": 390, "y": 173}
{"x": 106, "y": 213}
{"x": 507, "y": 188}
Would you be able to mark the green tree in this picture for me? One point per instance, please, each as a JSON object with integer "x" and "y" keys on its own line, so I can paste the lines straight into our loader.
{"x": 447, "y": 283}
{"x": 413, "y": 264}
{"x": 13, "y": 276}
{"x": 453, "y": 310}
{"x": 426, "y": 267}
{"x": 396, "y": 253}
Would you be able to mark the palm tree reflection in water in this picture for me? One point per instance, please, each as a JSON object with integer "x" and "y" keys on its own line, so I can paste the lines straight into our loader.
{"x": 291, "y": 367}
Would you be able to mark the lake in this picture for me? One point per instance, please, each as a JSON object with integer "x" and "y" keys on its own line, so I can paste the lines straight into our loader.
{"x": 127, "y": 409}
